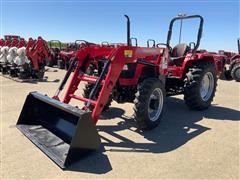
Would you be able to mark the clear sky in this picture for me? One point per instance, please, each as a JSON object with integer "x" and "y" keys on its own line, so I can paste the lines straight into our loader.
{"x": 98, "y": 21}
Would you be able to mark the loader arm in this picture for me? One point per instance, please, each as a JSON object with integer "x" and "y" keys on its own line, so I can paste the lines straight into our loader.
{"x": 115, "y": 59}
{"x": 83, "y": 56}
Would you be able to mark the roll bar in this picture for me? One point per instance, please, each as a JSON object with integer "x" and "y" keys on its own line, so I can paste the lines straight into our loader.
{"x": 199, "y": 36}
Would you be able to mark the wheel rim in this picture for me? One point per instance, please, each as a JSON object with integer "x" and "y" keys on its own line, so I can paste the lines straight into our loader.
{"x": 237, "y": 73}
{"x": 155, "y": 104}
{"x": 207, "y": 86}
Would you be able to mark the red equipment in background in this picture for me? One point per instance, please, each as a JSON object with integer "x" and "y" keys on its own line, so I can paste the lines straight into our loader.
{"x": 7, "y": 37}
{"x": 36, "y": 51}
{"x": 232, "y": 64}
{"x": 55, "y": 46}
{"x": 22, "y": 43}
{"x": 234, "y": 67}
{"x": 13, "y": 42}
{"x": 228, "y": 54}
{"x": 2, "y": 42}
{"x": 30, "y": 44}
{"x": 66, "y": 55}
{"x": 8, "y": 42}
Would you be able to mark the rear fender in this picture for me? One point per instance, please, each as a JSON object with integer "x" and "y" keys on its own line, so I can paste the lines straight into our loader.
{"x": 217, "y": 62}
{"x": 141, "y": 72}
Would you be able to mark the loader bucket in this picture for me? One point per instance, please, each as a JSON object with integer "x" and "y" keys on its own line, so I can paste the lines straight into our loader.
{"x": 61, "y": 131}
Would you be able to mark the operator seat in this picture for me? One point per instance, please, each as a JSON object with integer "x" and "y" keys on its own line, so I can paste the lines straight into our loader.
{"x": 179, "y": 52}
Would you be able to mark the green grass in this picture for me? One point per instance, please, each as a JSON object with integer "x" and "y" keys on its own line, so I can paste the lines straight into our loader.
{"x": 56, "y": 45}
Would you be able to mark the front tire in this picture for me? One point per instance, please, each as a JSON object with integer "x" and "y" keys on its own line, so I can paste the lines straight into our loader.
{"x": 200, "y": 86}
{"x": 235, "y": 72}
{"x": 149, "y": 103}
{"x": 86, "y": 92}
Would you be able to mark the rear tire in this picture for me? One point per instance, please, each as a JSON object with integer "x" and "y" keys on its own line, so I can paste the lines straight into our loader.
{"x": 235, "y": 72}
{"x": 149, "y": 103}
{"x": 200, "y": 86}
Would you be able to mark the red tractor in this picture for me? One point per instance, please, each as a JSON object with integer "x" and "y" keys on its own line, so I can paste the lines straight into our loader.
{"x": 37, "y": 53}
{"x": 125, "y": 73}
{"x": 232, "y": 69}
{"x": 66, "y": 55}
{"x": 55, "y": 47}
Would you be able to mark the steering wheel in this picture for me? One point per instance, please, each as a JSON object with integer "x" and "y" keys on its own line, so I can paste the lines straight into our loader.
{"x": 168, "y": 46}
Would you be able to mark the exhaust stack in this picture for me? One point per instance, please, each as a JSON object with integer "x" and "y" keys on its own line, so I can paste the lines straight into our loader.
{"x": 128, "y": 31}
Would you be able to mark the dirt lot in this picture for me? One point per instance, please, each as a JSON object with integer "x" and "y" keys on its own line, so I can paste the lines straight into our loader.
{"x": 187, "y": 144}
